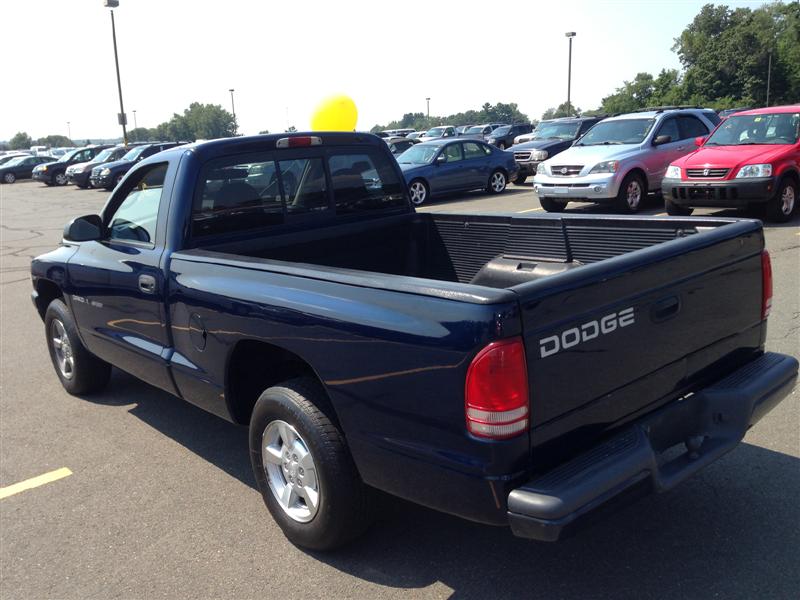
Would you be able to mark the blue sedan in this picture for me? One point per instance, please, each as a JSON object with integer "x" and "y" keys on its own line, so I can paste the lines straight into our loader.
{"x": 446, "y": 166}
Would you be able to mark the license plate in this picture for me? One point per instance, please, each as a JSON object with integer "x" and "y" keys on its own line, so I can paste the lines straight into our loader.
{"x": 560, "y": 190}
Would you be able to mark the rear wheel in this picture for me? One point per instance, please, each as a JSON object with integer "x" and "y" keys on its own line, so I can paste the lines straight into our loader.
{"x": 781, "y": 206}
{"x": 631, "y": 194}
{"x": 551, "y": 205}
{"x": 418, "y": 190}
{"x": 520, "y": 179}
{"x": 303, "y": 468}
{"x": 676, "y": 210}
{"x": 497, "y": 182}
{"x": 9, "y": 178}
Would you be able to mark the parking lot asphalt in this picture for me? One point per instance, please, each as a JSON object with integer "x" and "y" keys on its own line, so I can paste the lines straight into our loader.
{"x": 161, "y": 501}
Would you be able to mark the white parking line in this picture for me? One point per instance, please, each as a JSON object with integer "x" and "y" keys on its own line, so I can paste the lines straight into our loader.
{"x": 34, "y": 482}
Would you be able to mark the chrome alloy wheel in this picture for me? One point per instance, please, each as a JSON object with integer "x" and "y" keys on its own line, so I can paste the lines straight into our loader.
{"x": 498, "y": 182}
{"x": 633, "y": 194}
{"x": 291, "y": 472}
{"x": 418, "y": 192}
{"x": 61, "y": 179}
{"x": 788, "y": 199}
{"x": 63, "y": 349}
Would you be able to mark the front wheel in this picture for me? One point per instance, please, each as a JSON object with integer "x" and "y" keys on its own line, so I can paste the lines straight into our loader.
{"x": 631, "y": 194}
{"x": 780, "y": 207}
{"x": 418, "y": 190}
{"x": 676, "y": 210}
{"x": 60, "y": 179}
{"x": 502, "y": 146}
{"x": 552, "y": 206}
{"x": 520, "y": 179}
{"x": 9, "y": 178}
{"x": 497, "y": 182}
{"x": 303, "y": 467}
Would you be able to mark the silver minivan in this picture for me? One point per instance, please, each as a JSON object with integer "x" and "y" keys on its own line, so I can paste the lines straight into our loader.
{"x": 621, "y": 158}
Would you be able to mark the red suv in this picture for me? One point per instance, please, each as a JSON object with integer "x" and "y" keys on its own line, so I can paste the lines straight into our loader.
{"x": 752, "y": 158}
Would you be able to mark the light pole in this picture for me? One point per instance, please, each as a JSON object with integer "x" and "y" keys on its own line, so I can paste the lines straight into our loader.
{"x": 570, "y": 35}
{"x": 769, "y": 73}
{"x": 69, "y": 131}
{"x": 135, "y": 126}
{"x": 112, "y": 4}
{"x": 233, "y": 110}
{"x": 428, "y": 100}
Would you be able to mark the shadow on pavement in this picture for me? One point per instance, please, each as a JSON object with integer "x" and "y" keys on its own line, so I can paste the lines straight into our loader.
{"x": 731, "y": 532}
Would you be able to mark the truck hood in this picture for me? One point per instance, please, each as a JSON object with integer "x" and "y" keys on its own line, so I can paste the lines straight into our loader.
{"x": 590, "y": 155}
{"x": 732, "y": 156}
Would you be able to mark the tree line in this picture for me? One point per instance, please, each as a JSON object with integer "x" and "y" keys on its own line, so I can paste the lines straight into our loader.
{"x": 498, "y": 113}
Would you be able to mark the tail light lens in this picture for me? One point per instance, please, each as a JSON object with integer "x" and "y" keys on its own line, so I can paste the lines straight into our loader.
{"x": 496, "y": 391}
{"x": 766, "y": 284}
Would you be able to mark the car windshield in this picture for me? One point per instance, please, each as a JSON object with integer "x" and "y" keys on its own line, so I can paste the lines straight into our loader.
{"x": 561, "y": 131}
{"x": 475, "y": 129}
{"x": 15, "y": 161}
{"x": 103, "y": 156}
{"x": 68, "y": 155}
{"x": 618, "y": 131}
{"x": 418, "y": 155}
{"x": 133, "y": 153}
{"x": 435, "y": 132}
{"x": 502, "y": 130}
{"x": 742, "y": 130}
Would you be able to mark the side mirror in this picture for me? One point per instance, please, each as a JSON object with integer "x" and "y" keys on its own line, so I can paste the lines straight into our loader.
{"x": 441, "y": 159}
{"x": 699, "y": 141}
{"x": 84, "y": 229}
{"x": 662, "y": 139}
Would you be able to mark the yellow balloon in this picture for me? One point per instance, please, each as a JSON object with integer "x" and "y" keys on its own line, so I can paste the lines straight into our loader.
{"x": 335, "y": 113}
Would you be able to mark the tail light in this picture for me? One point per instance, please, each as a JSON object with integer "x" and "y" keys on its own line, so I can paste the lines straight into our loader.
{"x": 299, "y": 141}
{"x": 766, "y": 284}
{"x": 496, "y": 391}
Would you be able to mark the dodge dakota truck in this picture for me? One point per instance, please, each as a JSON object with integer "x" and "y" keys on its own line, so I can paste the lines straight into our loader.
{"x": 516, "y": 371}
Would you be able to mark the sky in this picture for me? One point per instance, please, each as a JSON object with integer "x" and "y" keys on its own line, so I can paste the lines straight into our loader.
{"x": 283, "y": 57}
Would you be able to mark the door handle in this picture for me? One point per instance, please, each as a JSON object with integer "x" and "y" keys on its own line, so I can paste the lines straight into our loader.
{"x": 147, "y": 284}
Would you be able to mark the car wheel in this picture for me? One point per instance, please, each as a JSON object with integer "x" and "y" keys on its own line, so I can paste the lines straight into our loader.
{"x": 303, "y": 468}
{"x": 631, "y": 194}
{"x": 502, "y": 145}
{"x": 781, "y": 206}
{"x": 9, "y": 178}
{"x": 520, "y": 180}
{"x": 418, "y": 190}
{"x": 80, "y": 371}
{"x": 117, "y": 180}
{"x": 551, "y": 205}
{"x": 497, "y": 182}
{"x": 60, "y": 179}
{"x": 676, "y": 210}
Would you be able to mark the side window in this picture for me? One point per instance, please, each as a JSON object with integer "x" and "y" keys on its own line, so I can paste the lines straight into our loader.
{"x": 135, "y": 219}
{"x": 669, "y": 127}
{"x": 692, "y": 127}
{"x": 364, "y": 181}
{"x": 473, "y": 150}
{"x": 453, "y": 152}
{"x": 304, "y": 185}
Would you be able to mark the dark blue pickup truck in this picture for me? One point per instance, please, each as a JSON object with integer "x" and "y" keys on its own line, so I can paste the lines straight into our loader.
{"x": 531, "y": 372}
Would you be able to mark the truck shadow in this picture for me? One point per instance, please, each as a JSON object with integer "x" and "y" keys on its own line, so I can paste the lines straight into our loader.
{"x": 731, "y": 532}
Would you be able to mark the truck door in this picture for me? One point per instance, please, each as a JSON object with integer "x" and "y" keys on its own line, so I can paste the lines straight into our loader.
{"x": 118, "y": 284}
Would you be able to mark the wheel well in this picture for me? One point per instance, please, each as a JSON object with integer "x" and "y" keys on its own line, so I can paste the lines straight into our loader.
{"x": 791, "y": 174}
{"x": 46, "y": 291}
{"x": 253, "y": 367}
{"x": 642, "y": 175}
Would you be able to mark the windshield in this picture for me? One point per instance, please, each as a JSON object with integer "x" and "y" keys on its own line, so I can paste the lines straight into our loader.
{"x": 502, "y": 130}
{"x": 103, "y": 156}
{"x": 622, "y": 131}
{"x": 435, "y": 132}
{"x": 68, "y": 155}
{"x": 475, "y": 129}
{"x": 15, "y": 161}
{"x": 133, "y": 153}
{"x": 777, "y": 128}
{"x": 418, "y": 155}
{"x": 562, "y": 131}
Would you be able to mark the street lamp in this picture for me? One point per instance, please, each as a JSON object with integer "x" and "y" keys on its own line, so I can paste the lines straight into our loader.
{"x": 69, "y": 131}
{"x": 112, "y": 4}
{"x": 769, "y": 75}
{"x": 428, "y": 100}
{"x": 135, "y": 126}
{"x": 570, "y": 35}
{"x": 233, "y": 110}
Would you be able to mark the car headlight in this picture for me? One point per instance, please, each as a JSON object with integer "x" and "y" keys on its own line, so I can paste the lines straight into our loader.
{"x": 539, "y": 155}
{"x": 105, "y": 172}
{"x": 754, "y": 171}
{"x": 608, "y": 166}
{"x": 541, "y": 169}
{"x": 673, "y": 172}
{"x": 491, "y": 140}
{"x": 43, "y": 168}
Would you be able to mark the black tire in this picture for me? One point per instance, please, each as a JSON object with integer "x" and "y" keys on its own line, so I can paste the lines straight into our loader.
{"x": 551, "y": 205}
{"x": 117, "y": 180}
{"x": 89, "y": 374}
{"x": 497, "y": 183}
{"x": 60, "y": 179}
{"x": 622, "y": 202}
{"x": 345, "y": 504}
{"x": 520, "y": 179}
{"x": 676, "y": 210}
{"x": 9, "y": 178}
{"x": 418, "y": 191}
{"x": 783, "y": 204}
{"x": 502, "y": 145}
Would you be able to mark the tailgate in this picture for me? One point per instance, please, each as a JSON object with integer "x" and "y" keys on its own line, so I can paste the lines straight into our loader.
{"x": 622, "y": 335}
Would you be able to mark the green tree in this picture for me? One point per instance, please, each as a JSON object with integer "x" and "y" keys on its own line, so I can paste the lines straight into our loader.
{"x": 140, "y": 134}
{"x": 266, "y": 131}
{"x": 564, "y": 109}
{"x": 21, "y": 141}
{"x": 54, "y": 141}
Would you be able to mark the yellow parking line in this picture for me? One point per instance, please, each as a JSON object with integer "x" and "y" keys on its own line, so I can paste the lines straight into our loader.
{"x": 529, "y": 210}
{"x": 661, "y": 214}
{"x": 34, "y": 482}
